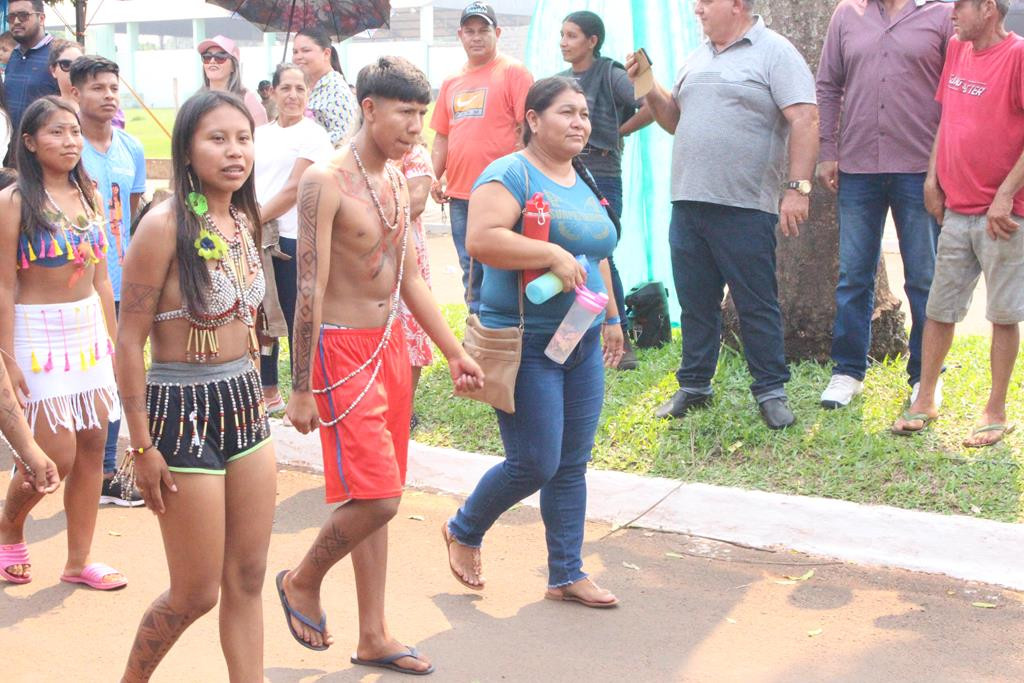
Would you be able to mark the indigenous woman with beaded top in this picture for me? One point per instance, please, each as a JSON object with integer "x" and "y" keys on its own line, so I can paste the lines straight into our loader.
{"x": 56, "y": 321}
{"x": 200, "y": 442}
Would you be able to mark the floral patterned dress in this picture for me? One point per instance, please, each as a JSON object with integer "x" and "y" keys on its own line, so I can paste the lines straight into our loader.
{"x": 333, "y": 106}
{"x": 415, "y": 164}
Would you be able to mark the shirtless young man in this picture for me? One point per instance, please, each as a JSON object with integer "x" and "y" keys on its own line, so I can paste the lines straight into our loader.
{"x": 353, "y": 214}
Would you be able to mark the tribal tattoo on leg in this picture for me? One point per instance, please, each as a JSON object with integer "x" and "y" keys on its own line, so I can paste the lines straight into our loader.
{"x": 160, "y": 628}
{"x": 330, "y": 547}
{"x": 309, "y": 205}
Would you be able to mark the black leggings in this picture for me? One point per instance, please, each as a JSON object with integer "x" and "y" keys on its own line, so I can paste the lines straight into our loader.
{"x": 285, "y": 275}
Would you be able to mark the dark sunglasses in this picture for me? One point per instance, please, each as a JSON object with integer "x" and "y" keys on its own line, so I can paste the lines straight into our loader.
{"x": 64, "y": 64}
{"x": 215, "y": 57}
{"x": 14, "y": 17}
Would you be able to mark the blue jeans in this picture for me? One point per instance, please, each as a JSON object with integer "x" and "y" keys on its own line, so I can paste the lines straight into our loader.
{"x": 285, "y": 277}
{"x": 714, "y": 245}
{"x": 459, "y": 211}
{"x": 864, "y": 199}
{"x": 611, "y": 188}
{"x": 547, "y": 446}
{"x": 113, "y": 431}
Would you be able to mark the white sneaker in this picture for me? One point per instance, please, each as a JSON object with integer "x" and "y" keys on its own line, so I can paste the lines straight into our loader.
{"x": 840, "y": 391}
{"x": 938, "y": 393}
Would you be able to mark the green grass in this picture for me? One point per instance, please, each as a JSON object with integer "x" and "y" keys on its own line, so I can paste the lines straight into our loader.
{"x": 847, "y": 454}
{"x": 157, "y": 144}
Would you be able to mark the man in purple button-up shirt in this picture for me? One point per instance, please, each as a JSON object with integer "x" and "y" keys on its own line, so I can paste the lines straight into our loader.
{"x": 879, "y": 70}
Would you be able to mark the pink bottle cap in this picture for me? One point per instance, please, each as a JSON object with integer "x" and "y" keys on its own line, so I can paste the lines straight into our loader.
{"x": 595, "y": 302}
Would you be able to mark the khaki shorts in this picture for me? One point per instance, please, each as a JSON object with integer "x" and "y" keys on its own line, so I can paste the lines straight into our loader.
{"x": 965, "y": 252}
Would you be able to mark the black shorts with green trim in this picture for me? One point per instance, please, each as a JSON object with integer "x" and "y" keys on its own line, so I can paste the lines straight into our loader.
{"x": 201, "y": 427}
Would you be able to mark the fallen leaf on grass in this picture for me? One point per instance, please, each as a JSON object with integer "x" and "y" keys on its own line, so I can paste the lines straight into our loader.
{"x": 418, "y": 518}
{"x": 675, "y": 556}
{"x": 975, "y": 509}
{"x": 983, "y": 605}
{"x": 814, "y": 632}
{"x": 630, "y": 565}
{"x": 735, "y": 446}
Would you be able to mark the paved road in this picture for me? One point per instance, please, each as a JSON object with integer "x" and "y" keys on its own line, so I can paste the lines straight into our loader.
{"x": 709, "y": 612}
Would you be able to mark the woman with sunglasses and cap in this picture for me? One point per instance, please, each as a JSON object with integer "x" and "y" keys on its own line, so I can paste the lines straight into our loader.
{"x": 222, "y": 71}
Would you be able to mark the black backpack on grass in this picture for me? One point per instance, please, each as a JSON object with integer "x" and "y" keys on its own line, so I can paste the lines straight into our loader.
{"x": 647, "y": 312}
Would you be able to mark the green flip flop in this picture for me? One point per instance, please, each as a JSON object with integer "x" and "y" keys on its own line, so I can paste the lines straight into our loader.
{"x": 908, "y": 416}
{"x": 995, "y": 427}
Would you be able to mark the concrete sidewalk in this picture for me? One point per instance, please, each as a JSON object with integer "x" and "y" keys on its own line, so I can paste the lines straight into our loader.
{"x": 692, "y": 609}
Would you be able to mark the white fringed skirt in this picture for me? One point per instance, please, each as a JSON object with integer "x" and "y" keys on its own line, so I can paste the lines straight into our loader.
{"x": 67, "y": 356}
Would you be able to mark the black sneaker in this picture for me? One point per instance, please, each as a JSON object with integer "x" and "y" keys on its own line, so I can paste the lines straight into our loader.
{"x": 111, "y": 495}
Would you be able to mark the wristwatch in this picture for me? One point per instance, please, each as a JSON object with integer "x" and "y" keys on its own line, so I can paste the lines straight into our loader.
{"x": 801, "y": 186}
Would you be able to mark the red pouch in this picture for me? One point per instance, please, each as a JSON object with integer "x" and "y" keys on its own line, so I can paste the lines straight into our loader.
{"x": 536, "y": 225}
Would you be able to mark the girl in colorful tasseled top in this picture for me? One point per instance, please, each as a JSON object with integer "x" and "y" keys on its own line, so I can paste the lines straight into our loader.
{"x": 56, "y": 325}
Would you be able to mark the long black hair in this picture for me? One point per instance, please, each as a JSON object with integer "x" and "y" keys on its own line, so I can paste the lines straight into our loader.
{"x": 30, "y": 171}
{"x": 193, "y": 273}
{"x": 591, "y": 25}
{"x": 542, "y": 95}
{"x": 323, "y": 41}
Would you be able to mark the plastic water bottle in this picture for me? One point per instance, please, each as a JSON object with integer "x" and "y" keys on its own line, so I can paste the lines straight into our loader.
{"x": 547, "y": 285}
{"x": 584, "y": 310}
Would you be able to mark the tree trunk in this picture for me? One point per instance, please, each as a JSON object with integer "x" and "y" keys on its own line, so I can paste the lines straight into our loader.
{"x": 808, "y": 265}
{"x": 80, "y": 22}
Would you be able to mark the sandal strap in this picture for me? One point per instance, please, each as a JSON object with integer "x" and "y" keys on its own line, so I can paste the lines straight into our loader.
{"x": 391, "y": 659}
{"x": 15, "y": 553}
{"x": 97, "y": 571}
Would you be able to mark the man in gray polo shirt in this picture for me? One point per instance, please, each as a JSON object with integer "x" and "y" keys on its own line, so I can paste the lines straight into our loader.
{"x": 739, "y": 101}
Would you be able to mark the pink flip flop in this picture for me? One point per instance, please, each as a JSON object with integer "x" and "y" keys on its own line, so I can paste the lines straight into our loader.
{"x": 92, "y": 576}
{"x": 10, "y": 555}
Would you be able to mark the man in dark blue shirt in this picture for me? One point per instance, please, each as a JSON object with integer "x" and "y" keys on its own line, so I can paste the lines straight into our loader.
{"x": 27, "y": 77}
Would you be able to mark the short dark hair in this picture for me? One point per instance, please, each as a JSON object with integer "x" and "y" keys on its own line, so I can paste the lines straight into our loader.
{"x": 88, "y": 67}
{"x": 393, "y": 78}
{"x": 263, "y": 84}
{"x": 37, "y": 5}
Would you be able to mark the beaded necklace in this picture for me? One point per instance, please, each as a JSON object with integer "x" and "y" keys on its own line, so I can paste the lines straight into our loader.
{"x": 375, "y": 358}
{"x": 84, "y": 240}
{"x": 392, "y": 180}
{"x": 228, "y": 298}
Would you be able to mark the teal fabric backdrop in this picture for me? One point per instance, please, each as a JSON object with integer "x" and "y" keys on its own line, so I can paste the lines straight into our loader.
{"x": 669, "y": 31}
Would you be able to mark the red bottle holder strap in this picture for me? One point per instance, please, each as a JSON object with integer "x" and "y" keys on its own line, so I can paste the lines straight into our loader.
{"x": 536, "y": 225}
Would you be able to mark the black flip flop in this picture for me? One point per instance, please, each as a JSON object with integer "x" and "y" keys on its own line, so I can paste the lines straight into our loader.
{"x": 289, "y": 613}
{"x": 389, "y": 662}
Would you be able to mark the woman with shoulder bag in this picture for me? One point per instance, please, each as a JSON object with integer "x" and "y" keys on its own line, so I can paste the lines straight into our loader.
{"x": 285, "y": 148}
{"x": 549, "y": 437}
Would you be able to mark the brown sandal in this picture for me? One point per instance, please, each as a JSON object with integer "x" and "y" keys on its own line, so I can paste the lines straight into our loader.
{"x": 448, "y": 540}
{"x": 561, "y": 594}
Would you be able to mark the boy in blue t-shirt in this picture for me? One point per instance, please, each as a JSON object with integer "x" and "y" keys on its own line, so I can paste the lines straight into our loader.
{"x": 115, "y": 162}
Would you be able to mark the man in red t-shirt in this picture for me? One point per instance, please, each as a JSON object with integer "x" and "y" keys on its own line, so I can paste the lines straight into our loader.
{"x": 478, "y": 118}
{"x": 974, "y": 189}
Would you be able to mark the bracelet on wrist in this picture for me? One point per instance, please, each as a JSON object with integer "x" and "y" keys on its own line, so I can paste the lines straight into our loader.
{"x": 613, "y": 320}
{"x": 138, "y": 451}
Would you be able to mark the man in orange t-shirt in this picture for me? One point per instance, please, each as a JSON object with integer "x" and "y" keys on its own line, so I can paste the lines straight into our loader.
{"x": 478, "y": 118}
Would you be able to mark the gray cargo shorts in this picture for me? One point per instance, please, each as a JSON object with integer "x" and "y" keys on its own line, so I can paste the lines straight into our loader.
{"x": 965, "y": 252}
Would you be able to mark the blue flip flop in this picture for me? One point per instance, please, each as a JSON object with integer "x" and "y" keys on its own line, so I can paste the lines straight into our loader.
{"x": 289, "y": 612}
{"x": 389, "y": 662}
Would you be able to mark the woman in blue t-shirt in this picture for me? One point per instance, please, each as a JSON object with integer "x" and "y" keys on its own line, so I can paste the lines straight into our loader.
{"x": 549, "y": 438}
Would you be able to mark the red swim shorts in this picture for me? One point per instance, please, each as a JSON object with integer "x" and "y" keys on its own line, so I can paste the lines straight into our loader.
{"x": 365, "y": 453}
